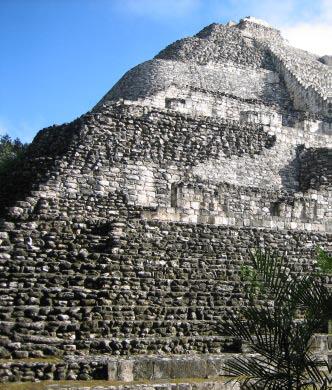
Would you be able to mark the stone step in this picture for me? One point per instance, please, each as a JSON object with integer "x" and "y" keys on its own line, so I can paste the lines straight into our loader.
{"x": 115, "y": 308}
{"x": 184, "y": 384}
{"x": 122, "y": 295}
{"x": 120, "y": 328}
{"x": 29, "y": 345}
{"x": 117, "y": 370}
{"x": 24, "y": 266}
{"x": 46, "y": 284}
{"x": 106, "y": 282}
{"x": 34, "y": 314}
{"x": 89, "y": 313}
{"x": 189, "y": 384}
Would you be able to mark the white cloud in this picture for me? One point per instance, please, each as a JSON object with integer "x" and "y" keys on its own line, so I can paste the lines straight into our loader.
{"x": 314, "y": 35}
{"x": 160, "y": 8}
{"x": 304, "y": 23}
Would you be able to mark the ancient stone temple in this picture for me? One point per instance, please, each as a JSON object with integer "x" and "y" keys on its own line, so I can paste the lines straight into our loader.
{"x": 123, "y": 232}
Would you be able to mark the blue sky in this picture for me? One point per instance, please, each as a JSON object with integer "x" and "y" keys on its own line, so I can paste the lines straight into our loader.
{"x": 59, "y": 57}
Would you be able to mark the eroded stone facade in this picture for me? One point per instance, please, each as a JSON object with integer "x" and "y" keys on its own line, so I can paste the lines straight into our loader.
{"x": 124, "y": 231}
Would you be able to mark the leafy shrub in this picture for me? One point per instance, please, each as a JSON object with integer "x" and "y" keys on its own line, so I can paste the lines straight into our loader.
{"x": 10, "y": 152}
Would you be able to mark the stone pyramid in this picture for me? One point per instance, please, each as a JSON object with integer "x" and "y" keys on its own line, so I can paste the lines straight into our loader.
{"x": 123, "y": 232}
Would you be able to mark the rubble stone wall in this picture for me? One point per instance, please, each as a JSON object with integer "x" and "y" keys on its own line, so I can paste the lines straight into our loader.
{"x": 157, "y": 75}
{"x": 131, "y": 287}
{"x": 316, "y": 168}
{"x": 151, "y": 153}
{"x": 124, "y": 232}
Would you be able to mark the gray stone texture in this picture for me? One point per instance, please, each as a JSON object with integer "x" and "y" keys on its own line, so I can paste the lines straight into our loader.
{"x": 123, "y": 232}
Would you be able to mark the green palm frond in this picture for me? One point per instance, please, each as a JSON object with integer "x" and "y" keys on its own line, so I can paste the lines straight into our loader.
{"x": 279, "y": 341}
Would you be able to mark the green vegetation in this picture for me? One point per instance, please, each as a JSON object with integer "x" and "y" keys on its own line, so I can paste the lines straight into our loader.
{"x": 324, "y": 261}
{"x": 10, "y": 152}
{"x": 279, "y": 325}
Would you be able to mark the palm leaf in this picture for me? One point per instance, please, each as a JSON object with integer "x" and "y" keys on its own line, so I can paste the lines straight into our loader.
{"x": 280, "y": 342}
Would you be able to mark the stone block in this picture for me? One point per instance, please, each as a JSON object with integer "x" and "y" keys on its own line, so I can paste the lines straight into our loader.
{"x": 215, "y": 366}
{"x": 143, "y": 369}
{"x": 112, "y": 370}
{"x": 126, "y": 370}
{"x": 162, "y": 368}
{"x": 189, "y": 368}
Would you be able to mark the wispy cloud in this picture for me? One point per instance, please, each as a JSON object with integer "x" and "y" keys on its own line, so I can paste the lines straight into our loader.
{"x": 306, "y": 24}
{"x": 314, "y": 35}
{"x": 315, "y": 38}
{"x": 157, "y": 9}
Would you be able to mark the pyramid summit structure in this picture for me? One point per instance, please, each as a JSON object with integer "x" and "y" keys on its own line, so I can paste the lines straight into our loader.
{"x": 190, "y": 62}
{"x": 123, "y": 232}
